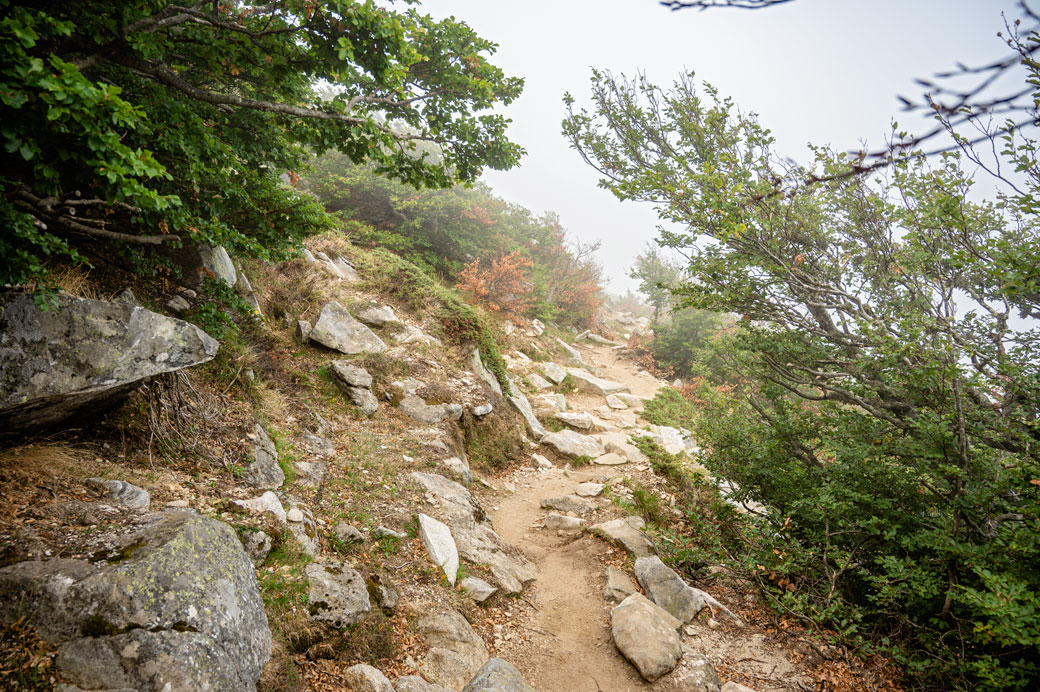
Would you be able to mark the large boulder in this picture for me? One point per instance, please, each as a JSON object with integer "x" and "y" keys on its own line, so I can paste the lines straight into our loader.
{"x": 436, "y": 538}
{"x": 628, "y": 533}
{"x": 571, "y": 444}
{"x": 337, "y": 329}
{"x": 199, "y": 262}
{"x": 83, "y": 356}
{"x": 337, "y": 594}
{"x": 173, "y": 606}
{"x": 498, "y": 676}
{"x": 666, "y": 588}
{"x": 646, "y": 635}
{"x": 456, "y": 651}
{"x": 585, "y": 381}
{"x": 475, "y": 539}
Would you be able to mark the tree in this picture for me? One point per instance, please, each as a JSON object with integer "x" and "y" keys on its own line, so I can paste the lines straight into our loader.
{"x": 657, "y": 276}
{"x": 889, "y": 417}
{"x": 138, "y": 125}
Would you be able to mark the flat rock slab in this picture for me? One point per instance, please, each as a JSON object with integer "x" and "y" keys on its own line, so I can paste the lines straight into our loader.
{"x": 589, "y": 489}
{"x": 84, "y": 356}
{"x": 456, "y": 652}
{"x": 179, "y": 592}
{"x": 264, "y": 471}
{"x": 618, "y": 443}
{"x": 337, "y": 329}
{"x": 478, "y": 589}
{"x": 437, "y": 539}
{"x": 585, "y": 381}
{"x": 628, "y": 534}
{"x": 378, "y": 316}
{"x": 498, "y": 675}
{"x": 610, "y": 459}
{"x": 573, "y": 353}
{"x": 646, "y": 635}
{"x": 481, "y": 371}
{"x": 337, "y": 595}
{"x": 567, "y": 503}
{"x": 538, "y": 381}
{"x": 519, "y": 401}
{"x": 554, "y": 372}
{"x": 619, "y": 585}
{"x": 562, "y": 522}
{"x": 347, "y": 373}
{"x": 615, "y": 402}
{"x": 365, "y": 678}
{"x": 670, "y": 439}
{"x": 126, "y": 494}
{"x": 572, "y": 444}
{"x": 581, "y": 421}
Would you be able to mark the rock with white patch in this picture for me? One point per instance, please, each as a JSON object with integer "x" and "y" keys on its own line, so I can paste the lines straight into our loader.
{"x": 337, "y": 329}
{"x": 437, "y": 539}
{"x": 337, "y": 594}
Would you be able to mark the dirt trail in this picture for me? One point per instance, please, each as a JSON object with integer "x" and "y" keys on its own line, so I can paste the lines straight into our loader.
{"x": 568, "y": 646}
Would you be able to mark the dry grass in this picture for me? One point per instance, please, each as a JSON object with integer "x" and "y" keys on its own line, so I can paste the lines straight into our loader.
{"x": 41, "y": 459}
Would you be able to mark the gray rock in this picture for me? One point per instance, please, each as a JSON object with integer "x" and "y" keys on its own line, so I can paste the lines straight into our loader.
{"x": 177, "y": 602}
{"x": 482, "y": 410}
{"x": 618, "y": 443}
{"x": 295, "y": 515}
{"x": 478, "y": 589}
{"x": 257, "y": 545}
{"x": 554, "y": 372}
{"x": 303, "y": 331}
{"x": 646, "y": 635}
{"x": 412, "y": 334}
{"x": 245, "y": 289}
{"x": 735, "y": 687}
{"x": 567, "y": 503}
{"x": 589, "y": 489}
{"x": 318, "y": 445}
{"x": 585, "y": 381}
{"x": 456, "y": 651}
{"x": 540, "y": 462}
{"x": 573, "y": 353}
{"x": 308, "y": 256}
{"x": 413, "y": 683}
{"x": 383, "y": 532}
{"x": 437, "y": 539}
{"x": 610, "y": 459}
{"x": 178, "y": 305}
{"x": 268, "y": 502}
{"x": 264, "y": 471}
{"x": 364, "y": 399}
{"x": 84, "y": 356}
{"x": 365, "y": 678}
{"x": 458, "y": 467}
{"x": 337, "y": 329}
{"x": 498, "y": 676}
{"x": 538, "y": 381}
{"x": 619, "y": 586}
{"x": 519, "y": 401}
{"x": 345, "y": 372}
{"x": 126, "y": 297}
{"x": 581, "y": 421}
{"x": 538, "y": 327}
{"x": 310, "y": 473}
{"x": 346, "y": 270}
{"x": 416, "y": 408}
{"x": 670, "y": 439}
{"x": 596, "y": 338}
{"x": 561, "y": 522}
{"x": 628, "y": 534}
{"x": 667, "y": 589}
{"x": 126, "y": 494}
{"x": 199, "y": 262}
{"x": 695, "y": 673}
{"x": 615, "y": 402}
{"x": 337, "y": 595}
{"x": 475, "y": 539}
{"x": 378, "y": 316}
{"x": 477, "y": 363}
{"x": 630, "y": 400}
{"x": 571, "y": 444}
{"x": 454, "y": 411}
{"x": 347, "y": 533}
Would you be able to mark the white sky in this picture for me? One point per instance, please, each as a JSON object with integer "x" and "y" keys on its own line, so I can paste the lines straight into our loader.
{"x": 820, "y": 71}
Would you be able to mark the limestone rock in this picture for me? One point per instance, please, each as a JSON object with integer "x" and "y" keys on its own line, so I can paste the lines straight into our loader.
{"x": 610, "y": 459}
{"x": 264, "y": 471}
{"x": 383, "y": 532}
{"x": 311, "y": 473}
{"x": 437, "y": 539}
{"x": 257, "y": 545}
{"x": 268, "y": 502}
{"x": 519, "y": 401}
{"x": 581, "y": 421}
{"x": 538, "y": 381}
{"x": 667, "y": 589}
{"x": 573, "y": 353}
{"x": 177, "y": 604}
{"x": 456, "y": 651}
{"x": 365, "y": 678}
{"x": 646, "y": 635}
{"x": 337, "y": 329}
{"x": 474, "y": 537}
{"x": 378, "y": 316}
{"x": 562, "y": 522}
{"x": 554, "y": 372}
{"x": 615, "y": 402}
{"x": 347, "y": 272}
{"x": 619, "y": 586}
{"x": 585, "y": 381}
{"x": 695, "y": 673}
{"x": 84, "y": 356}
{"x": 477, "y": 363}
{"x": 567, "y": 503}
{"x": 571, "y": 444}
{"x": 498, "y": 676}
{"x": 628, "y": 533}
{"x": 478, "y": 589}
{"x": 540, "y": 462}
{"x": 589, "y": 489}
{"x": 337, "y": 595}
{"x": 413, "y": 683}
{"x": 126, "y": 494}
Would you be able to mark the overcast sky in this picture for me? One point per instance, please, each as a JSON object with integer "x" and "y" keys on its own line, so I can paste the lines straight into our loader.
{"x": 820, "y": 71}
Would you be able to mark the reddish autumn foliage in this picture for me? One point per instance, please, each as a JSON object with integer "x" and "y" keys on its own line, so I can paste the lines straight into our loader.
{"x": 501, "y": 286}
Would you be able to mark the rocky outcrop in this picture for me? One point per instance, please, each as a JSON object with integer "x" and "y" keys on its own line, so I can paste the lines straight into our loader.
{"x": 456, "y": 652}
{"x": 666, "y": 588}
{"x": 264, "y": 471}
{"x": 83, "y": 356}
{"x": 337, "y": 329}
{"x": 498, "y": 676}
{"x": 646, "y": 635}
{"x": 175, "y": 606}
{"x": 437, "y": 539}
{"x": 356, "y": 383}
{"x": 585, "y": 381}
{"x": 477, "y": 542}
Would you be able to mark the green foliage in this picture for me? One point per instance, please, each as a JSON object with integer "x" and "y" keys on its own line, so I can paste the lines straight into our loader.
{"x": 129, "y": 126}
{"x": 679, "y": 346}
{"x": 882, "y": 402}
{"x": 284, "y": 588}
{"x": 669, "y": 407}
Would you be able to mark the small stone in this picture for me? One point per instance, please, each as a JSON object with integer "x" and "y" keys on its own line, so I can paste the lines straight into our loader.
{"x": 478, "y": 589}
{"x": 482, "y": 410}
{"x": 540, "y": 462}
{"x": 589, "y": 489}
{"x": 383, "y": 532}
{"x": 294, "y": 515}
{"x": 378, "y": 316}
{"x": 303, "y": 331}
{"x": 498, "y": 676}
{"x": 178, "y": 305}
{"x": 268, "y": 502}
{"x": 567, "y": 503}
{"x": 614, "y": 402}
{"x": 562, "y": 522}
{"x": 347, "y": 533}
{"x": 554, "y": 372}
{"x": 628, "y": 533}
{"x": 610, "y": 459}
{"x": 177, "y": 503}
{"x": 646, "y": 635}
